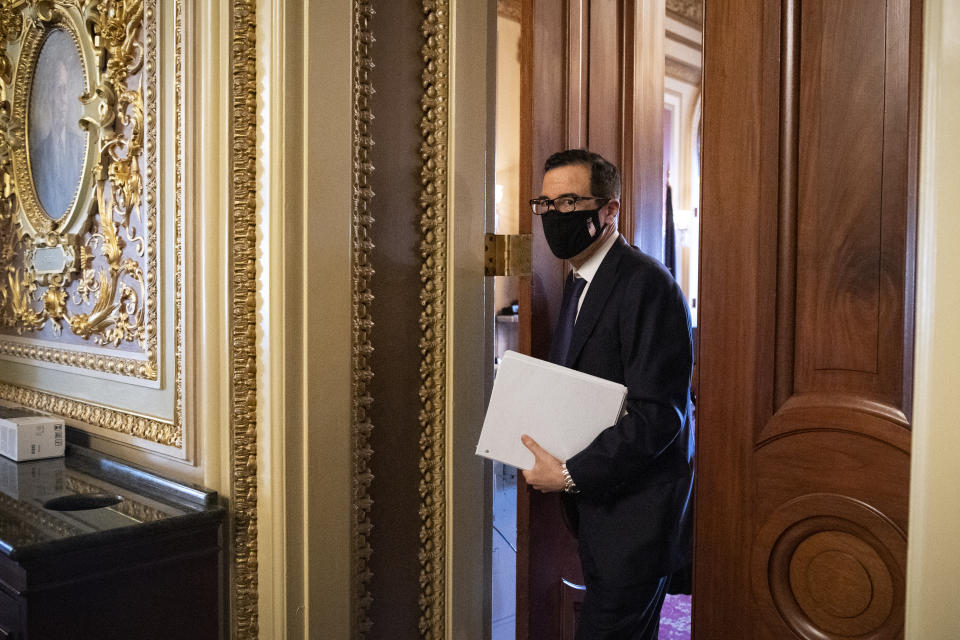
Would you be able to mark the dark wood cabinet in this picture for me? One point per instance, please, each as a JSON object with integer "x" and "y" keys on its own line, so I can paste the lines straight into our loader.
{"x": 150, "y": 566}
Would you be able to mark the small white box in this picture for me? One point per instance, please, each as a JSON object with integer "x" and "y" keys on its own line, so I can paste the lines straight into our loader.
{"x": 29, "y": 435}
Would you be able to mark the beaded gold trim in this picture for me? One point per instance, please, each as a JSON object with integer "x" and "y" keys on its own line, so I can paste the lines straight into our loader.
{"x": 362, "y": 320}
{"x": 86, "y": 413}
{"x": 243, "y": 317}
{"x": 433, "y": 315}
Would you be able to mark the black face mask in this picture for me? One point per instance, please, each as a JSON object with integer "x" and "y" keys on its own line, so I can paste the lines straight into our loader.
{"x": 567, "y": 233}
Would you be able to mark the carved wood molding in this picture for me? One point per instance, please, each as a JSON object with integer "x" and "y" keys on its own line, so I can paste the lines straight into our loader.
{"x": 362, "y": 372}
{"x": 243, "y": 317}
{"x": 791, "y": 577}
{"x": 433, "y": 316}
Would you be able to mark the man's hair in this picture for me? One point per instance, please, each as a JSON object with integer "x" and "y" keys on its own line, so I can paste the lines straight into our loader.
{"x": 604, "y": 176}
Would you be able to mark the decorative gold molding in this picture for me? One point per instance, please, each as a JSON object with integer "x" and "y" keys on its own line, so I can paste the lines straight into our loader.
{"x": 243, "y": 316}
{"x": 688, "y": 11}
{"x": 34, "y": 352}
{"x": 179, "y": 309}
{"x": 150, "y": 178}
{"x": 362, "y": 320}
{"x": 433, "y": 316}
{"x": 80, "y": 413}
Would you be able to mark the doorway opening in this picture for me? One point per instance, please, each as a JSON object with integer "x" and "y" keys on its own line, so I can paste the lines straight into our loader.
{"x": 506, "y": 300}
{"x": 683, "y": 65}
{"x": 683, "y": 50}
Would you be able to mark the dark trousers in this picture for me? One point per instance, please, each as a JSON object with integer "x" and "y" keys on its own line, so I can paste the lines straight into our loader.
{"x": 619, "y": 610}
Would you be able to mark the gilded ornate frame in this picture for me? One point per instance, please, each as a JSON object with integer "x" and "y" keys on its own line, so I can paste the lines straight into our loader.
{"x": 123, "y": 148}
{"x": 115, "y": 300}
{"x": 433, "y": 316}
{"x": 37, "y": 222}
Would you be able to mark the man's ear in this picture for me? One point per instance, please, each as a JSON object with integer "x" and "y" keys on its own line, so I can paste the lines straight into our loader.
{"x": 610, "y": 211}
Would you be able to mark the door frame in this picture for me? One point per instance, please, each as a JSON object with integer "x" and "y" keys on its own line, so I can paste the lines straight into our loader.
{"x": 469, "y": 314}
{"x": 931, "y": 583}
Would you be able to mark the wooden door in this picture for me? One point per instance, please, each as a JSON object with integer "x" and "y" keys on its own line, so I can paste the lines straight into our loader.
{"x": 592, "y": 76}
{"x": 810, "y": 127}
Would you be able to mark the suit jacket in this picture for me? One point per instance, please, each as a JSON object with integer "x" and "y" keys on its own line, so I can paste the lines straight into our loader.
{"x": 635, "y": 479}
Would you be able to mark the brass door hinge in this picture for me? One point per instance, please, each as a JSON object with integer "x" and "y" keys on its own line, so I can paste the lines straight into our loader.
{"x": 507, "y": 255}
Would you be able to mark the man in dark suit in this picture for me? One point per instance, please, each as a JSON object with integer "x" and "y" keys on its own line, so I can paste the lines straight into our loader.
{"x": 629, "y": 492}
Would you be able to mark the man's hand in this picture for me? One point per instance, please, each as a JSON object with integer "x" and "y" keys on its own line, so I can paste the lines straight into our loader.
{"x": 545, "y": 474}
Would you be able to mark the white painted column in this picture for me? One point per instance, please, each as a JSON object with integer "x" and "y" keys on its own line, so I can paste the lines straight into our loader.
{"x": 933, "y": 561}
{"x": 305, "y": 378}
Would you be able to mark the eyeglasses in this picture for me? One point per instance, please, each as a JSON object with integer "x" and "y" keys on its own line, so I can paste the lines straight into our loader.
{"x": 563, "y": 204}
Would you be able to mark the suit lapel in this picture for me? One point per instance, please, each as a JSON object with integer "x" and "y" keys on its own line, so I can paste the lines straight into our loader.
{"x": 597, "y": 294}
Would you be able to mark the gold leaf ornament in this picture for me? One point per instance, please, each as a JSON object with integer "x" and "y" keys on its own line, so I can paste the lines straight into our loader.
{"x": 54, "y": 302}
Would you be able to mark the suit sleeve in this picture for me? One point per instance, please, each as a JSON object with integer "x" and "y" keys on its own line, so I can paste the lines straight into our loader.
{"x": 657, "y": 359}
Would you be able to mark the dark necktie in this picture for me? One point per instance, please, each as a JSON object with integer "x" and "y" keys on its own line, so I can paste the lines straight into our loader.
{"x": 572, "y": 289}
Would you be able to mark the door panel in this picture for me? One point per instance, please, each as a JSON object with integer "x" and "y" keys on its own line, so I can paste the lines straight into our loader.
{"x": 552, "y": 104}
{"x": 803, "y": 456}
{"x": 604, "y": 62}
{"x": 852, "y": 193}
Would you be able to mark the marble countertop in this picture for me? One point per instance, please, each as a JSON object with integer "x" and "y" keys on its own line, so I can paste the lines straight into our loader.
{"x": 85, "y": 499}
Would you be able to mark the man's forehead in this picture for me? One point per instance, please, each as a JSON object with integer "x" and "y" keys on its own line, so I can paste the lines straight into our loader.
{"x": 567, "y": 179}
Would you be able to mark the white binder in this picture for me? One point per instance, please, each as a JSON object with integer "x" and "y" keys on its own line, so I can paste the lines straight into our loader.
{"x": 562, "y": 409}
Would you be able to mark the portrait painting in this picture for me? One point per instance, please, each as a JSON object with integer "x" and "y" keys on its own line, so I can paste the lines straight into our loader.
{"x": 57, "y": 144}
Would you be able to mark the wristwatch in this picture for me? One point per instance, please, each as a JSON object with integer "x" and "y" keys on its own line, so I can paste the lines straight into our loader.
{"x": 569, "y": 486}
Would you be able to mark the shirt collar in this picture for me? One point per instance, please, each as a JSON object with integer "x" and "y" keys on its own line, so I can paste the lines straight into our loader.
{"x": 589, "y": 268}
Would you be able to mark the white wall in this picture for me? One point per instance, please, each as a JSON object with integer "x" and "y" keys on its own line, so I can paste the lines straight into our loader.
{"x": 933, "y": 563}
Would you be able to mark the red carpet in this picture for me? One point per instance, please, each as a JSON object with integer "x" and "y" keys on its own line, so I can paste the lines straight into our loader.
{"x": 675, "y": 618}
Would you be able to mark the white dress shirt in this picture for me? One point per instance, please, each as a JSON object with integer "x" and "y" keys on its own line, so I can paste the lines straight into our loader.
{"x": 589, "y": 268}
